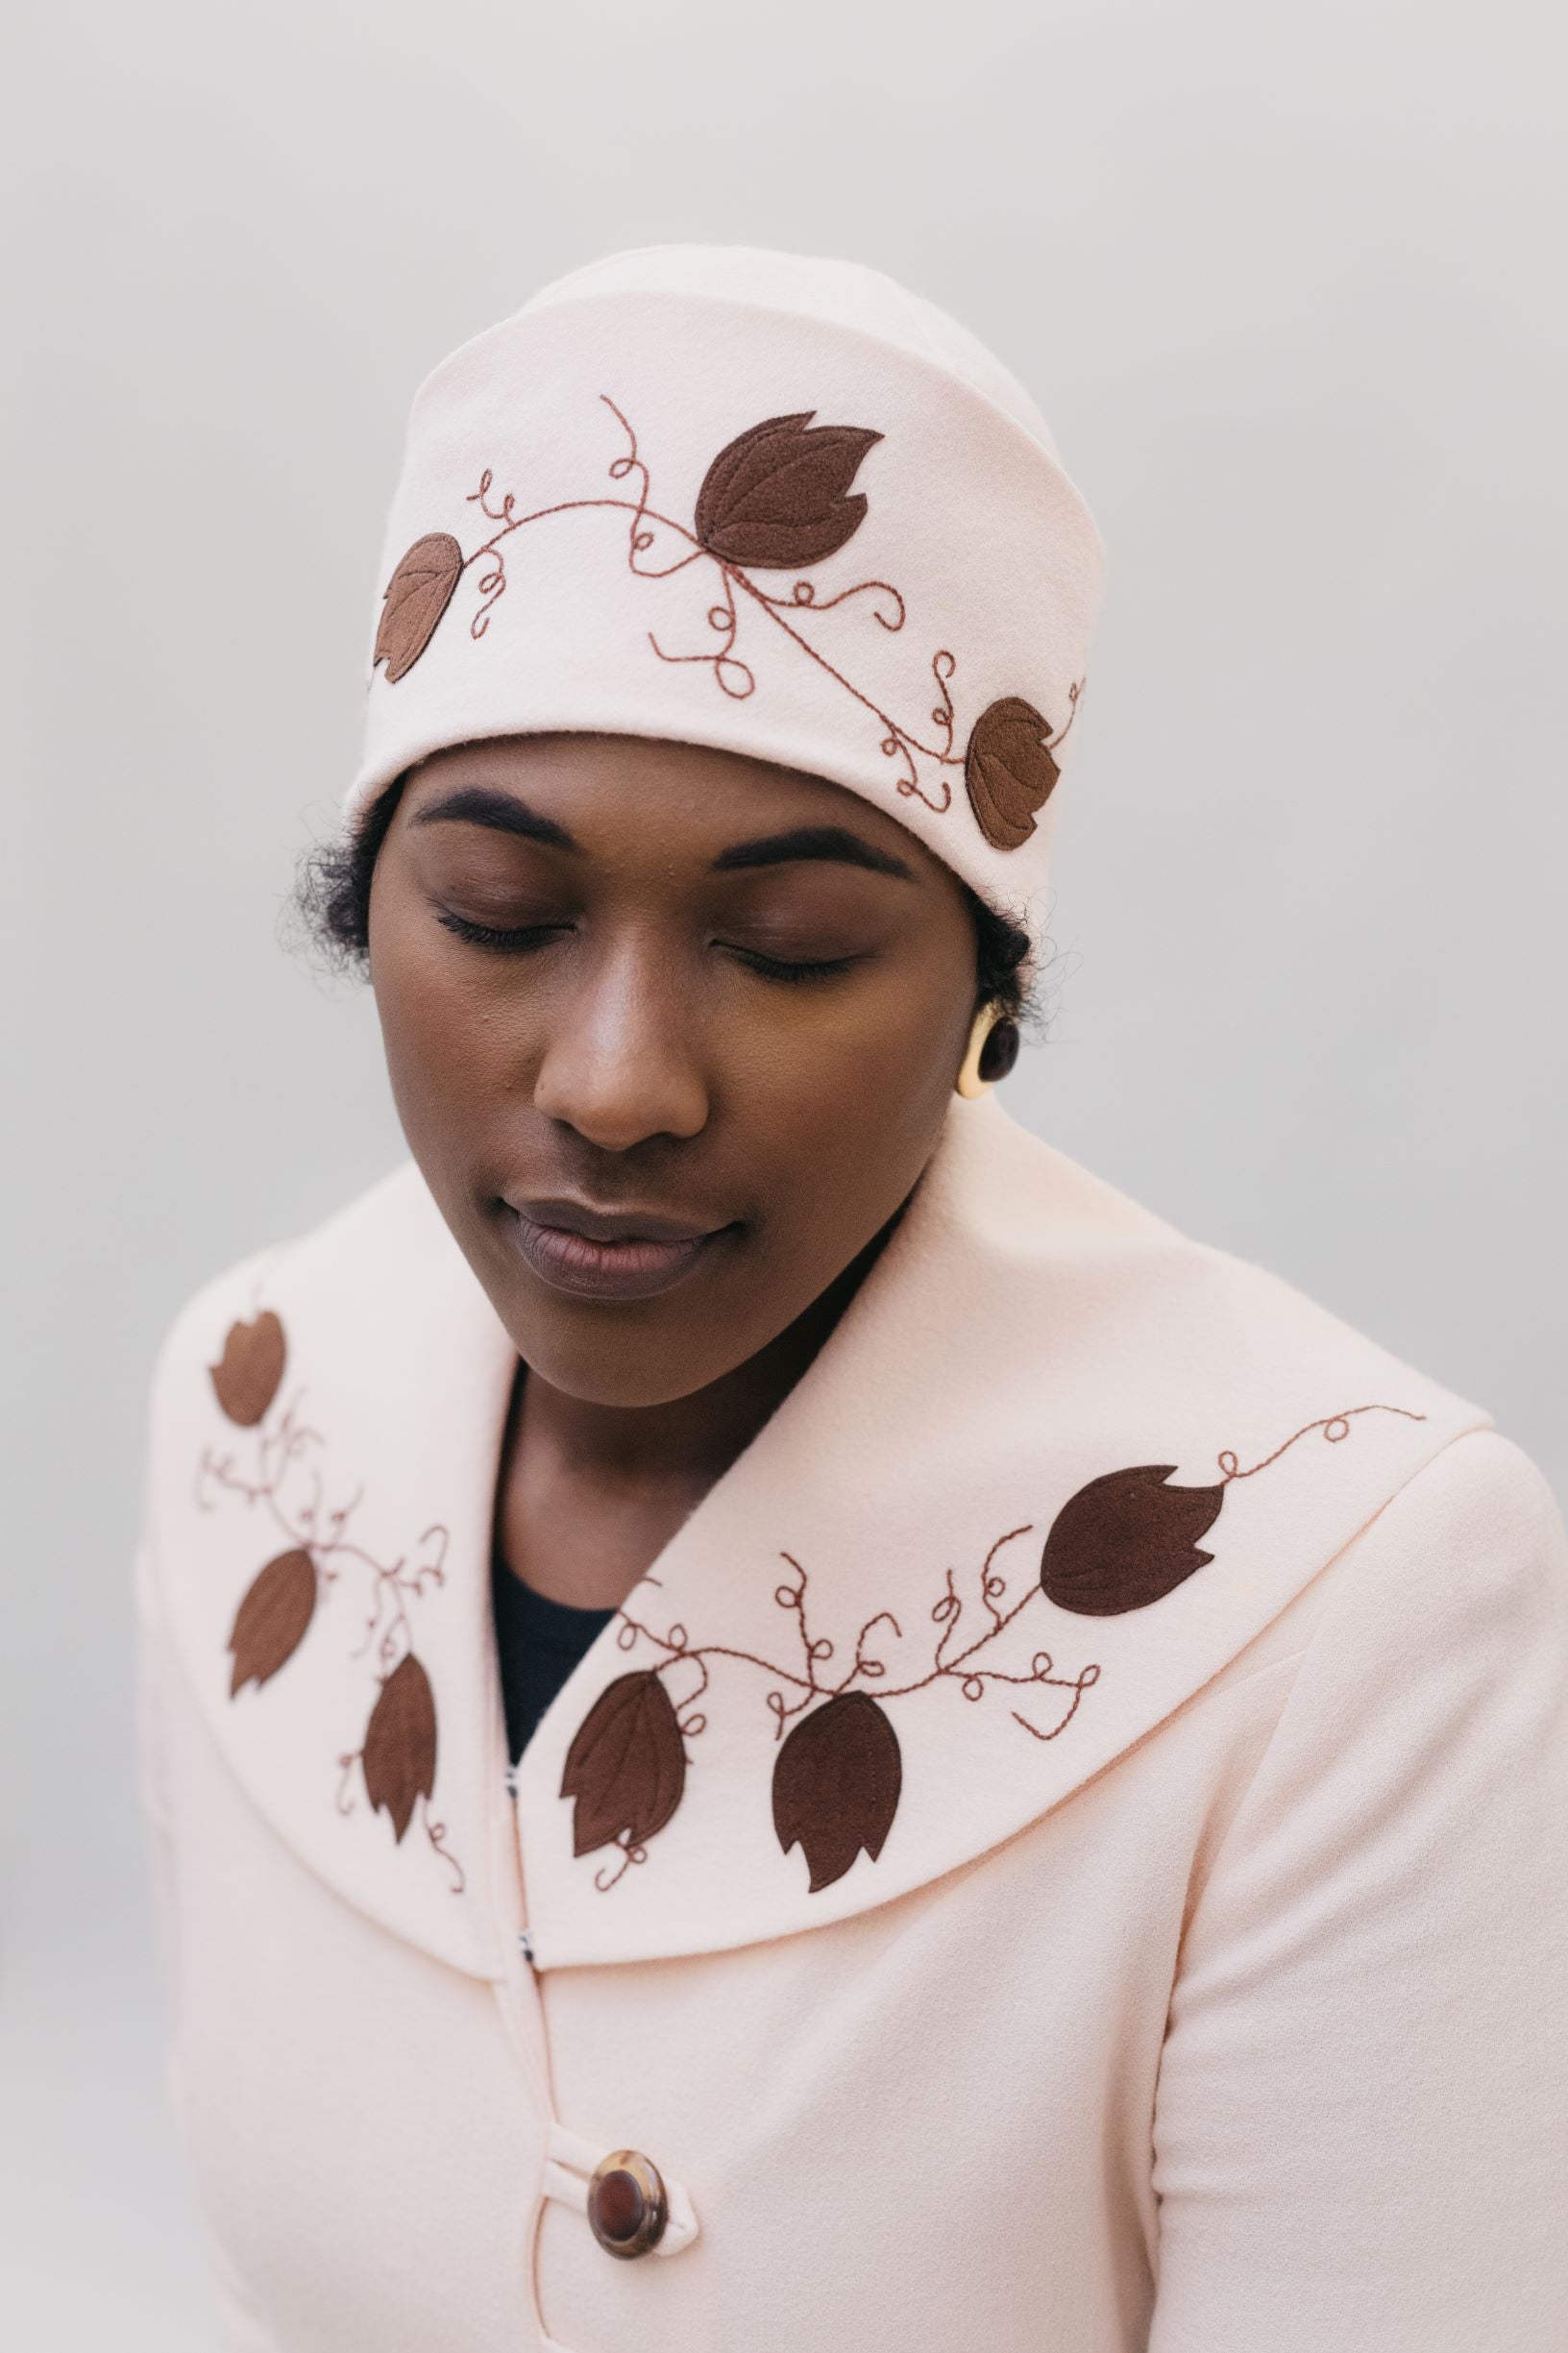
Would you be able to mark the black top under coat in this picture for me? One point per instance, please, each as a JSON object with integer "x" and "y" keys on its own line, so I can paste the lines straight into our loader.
{"x": 539, "y": 1641}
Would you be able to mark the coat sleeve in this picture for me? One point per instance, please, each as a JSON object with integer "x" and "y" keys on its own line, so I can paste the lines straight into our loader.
{"x": 154, "y": 1673}
{"x": 1362, "y": 2120}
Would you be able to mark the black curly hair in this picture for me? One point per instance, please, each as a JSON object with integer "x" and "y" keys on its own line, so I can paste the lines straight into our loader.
{"x": 331, "y": 897}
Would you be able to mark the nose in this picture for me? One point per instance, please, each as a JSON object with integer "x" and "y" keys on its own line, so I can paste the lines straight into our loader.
{"x": 621, "y": 1061}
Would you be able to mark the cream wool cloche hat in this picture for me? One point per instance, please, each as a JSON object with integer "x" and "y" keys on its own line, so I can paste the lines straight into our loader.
{"x": 753, "y": 499}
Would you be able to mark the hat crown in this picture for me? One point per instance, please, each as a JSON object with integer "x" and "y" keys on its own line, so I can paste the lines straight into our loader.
{"x": 837, "y": 292}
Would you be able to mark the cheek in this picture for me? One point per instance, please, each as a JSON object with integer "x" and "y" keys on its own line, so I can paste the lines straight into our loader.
{"x": 845, "y": 1108}
{"x": 445, "y": 1039}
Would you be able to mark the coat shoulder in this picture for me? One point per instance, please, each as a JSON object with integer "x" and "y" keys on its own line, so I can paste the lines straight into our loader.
{"x": 1476, "y": 1543}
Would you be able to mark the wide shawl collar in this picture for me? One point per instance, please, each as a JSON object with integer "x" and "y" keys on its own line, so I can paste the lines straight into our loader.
{"x": 1056, "y": 1466}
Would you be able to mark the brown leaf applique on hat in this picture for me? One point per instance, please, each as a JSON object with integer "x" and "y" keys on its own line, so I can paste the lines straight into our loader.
{"x": 246, "y": 1377}
{"x": 625, "y": 1770}
{"x": 1009, "y": 769}
{"x": 778, "y": 498}
{"x": 1125, "y": 1540}
{"x": 416, "y": 596}
{"x": 287, "y": 1595}
{"x": 272, "y": 1620}
{"x": 836, "y": 1785}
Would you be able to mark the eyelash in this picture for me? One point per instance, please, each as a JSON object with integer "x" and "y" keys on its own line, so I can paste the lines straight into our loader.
{"x": 486, "y": 935}
{"x": 772, "y": 968}
{"x": 519, "y": 942}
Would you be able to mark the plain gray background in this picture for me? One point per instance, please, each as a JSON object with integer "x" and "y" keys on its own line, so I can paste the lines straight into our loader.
{"x": 1287, "y": 284}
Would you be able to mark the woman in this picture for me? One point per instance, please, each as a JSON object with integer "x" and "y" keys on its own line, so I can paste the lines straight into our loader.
{"x": 771, "y": 1717}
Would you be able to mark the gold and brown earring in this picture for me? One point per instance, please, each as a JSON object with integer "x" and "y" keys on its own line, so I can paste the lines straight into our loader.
{"x": 992, "y": 1051}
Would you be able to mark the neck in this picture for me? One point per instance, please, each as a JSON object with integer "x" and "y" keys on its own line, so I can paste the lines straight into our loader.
{"x": 689, "y": 1442}
{"x": 591, "y": 1494}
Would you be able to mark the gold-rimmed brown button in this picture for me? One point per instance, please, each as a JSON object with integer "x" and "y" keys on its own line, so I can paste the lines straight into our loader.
{"x": 627, "y": 2208}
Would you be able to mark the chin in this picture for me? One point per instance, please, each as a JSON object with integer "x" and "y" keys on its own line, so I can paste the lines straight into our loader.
{"x": 610, "y": 1356}
{"x": 682, "y": 1328}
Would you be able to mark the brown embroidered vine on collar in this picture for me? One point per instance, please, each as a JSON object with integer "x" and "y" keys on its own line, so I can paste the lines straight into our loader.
{"x": 1122, "y": 1542}
{"x": 398, "y": 1755}
{"x": 775, "y": 498}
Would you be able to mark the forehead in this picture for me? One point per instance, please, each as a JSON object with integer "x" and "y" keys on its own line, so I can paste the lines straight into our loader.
{"x": 626, "y": 794}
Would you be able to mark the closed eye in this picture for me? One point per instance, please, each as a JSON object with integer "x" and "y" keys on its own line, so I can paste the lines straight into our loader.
{"x": 489, "y": 934}
{"x": 520, "y": 940}
{"x": 778, "y": 968}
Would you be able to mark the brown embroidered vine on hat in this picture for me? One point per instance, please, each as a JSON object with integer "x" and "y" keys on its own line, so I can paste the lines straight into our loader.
{"x": 248, "y": 1375}
{"x": 1009, "y": 769}
{"x": 1129, "y": 1537}
{"x": 836, "y": 1785}
{"x": 778, "y": 498}
{"x": 282, "y": 1600}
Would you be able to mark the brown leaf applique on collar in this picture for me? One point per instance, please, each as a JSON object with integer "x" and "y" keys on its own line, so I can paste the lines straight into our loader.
{"x": 1122, "y": 1542}
{"x": 836, "y": 1785}
{"x": 397, "y": 1756}
{"x": 627, "y": 1768}
{"x": 839, "y": 1772}
{"x": 246, "y": 1377}
{"x": 1126, "y": 1540}
{"x": 779, "y": 497}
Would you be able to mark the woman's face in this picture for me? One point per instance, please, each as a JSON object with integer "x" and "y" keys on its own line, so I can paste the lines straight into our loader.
{"x": 671, "y": 1033}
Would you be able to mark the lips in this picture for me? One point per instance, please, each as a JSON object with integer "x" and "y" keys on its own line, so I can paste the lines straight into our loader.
{"x": 628, "y": 1253}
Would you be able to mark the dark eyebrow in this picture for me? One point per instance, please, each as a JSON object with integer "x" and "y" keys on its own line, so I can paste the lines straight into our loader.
{"x": 835, "y": 841}
{"x": 480, "y": 804}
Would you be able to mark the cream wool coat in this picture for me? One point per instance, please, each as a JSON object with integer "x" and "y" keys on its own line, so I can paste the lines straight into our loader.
{"x": 1161, "y": 1943}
